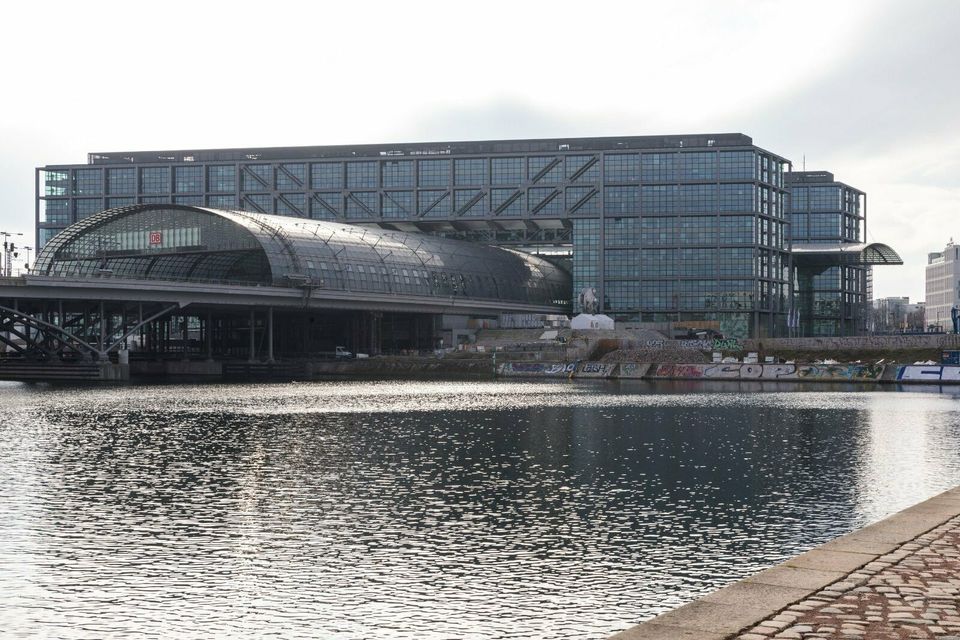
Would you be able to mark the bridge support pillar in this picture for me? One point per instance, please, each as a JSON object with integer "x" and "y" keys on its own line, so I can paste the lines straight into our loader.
{"x": 270, "y": 334}
{"x": 253, "y": 345}
{"x": 209, "y": 336}
{"x": 102, "y": 354}
{"x": 184, "y": 337}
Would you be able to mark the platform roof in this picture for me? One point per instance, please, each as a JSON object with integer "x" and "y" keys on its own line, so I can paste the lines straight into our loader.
{"x": 199, "y": 244}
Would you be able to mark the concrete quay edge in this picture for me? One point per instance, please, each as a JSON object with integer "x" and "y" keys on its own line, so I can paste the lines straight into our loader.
{"x": 725, "y": 613}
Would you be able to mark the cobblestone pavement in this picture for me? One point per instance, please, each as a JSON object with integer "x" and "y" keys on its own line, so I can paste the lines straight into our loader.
{"x": 912, "y": 592}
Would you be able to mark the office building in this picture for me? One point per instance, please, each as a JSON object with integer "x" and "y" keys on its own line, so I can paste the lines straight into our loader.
{"x": 942, "y": 286}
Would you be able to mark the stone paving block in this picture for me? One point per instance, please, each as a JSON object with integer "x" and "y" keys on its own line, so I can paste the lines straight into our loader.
{"x": 896, "y": 579}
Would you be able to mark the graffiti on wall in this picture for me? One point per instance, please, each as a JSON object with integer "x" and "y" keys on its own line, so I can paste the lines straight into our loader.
{"x": 546, "y": 369}
{"x": 633, "y": 370}
{"x": 928, "y": 373}
{"x": 727, "y": 344}
{"x": 695, "y": 345}
{"x": 595, "y": 370}
{"x": 737, "y": 371}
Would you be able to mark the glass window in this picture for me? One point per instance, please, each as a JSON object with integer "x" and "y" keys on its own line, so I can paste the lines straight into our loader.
{"x": 621, "y": 167}
{"x": 737, "y": 229}
{"x": 658, "y": 263}
{"x": 121, "y": 181}
{"x": 698, "y": 230}
{"x": 582, "y": 168}
{"x": 195, "y": 201}
{"x": 57, "y": 183}
{"x": 545, "y": 169}
{"x": 737, "y": 165}
{"x": 617, "y": 200}
{"x": 470, "y": 171}
{"x": 737, "y": 197}
{"x": 361, "y": 175}
{"x": 506, "y": 202}
{"x": 87, "y": 207}
{"x": 291, "y": 176}
{"x": 261, "y": 203}
{"x": 120, "y": 202}
{"x": 56, "y": 212}
{"x": 398, "y": 204}
{"x": 398, "y": 173}
{"x": 326, "y": 175}
{"x": 222, "y": 202}
{"x": 326, "y": 205}
{"x": 583, "y": 200}
{"x": 621, "y": 232}
{"x": 698, "y": 198}
{"x": 291, "y": 204}
{"x": 362, "y": 204}
{"x": 187, "y": 179}
{"x": 434, "y": 173}
{"x": 699, "y": 165}
{"x": 659, "y": 167}
{"x": 469, "y": 202}
{"x": 545, "y": 201}
{"x": 658, "y": 231}
{"x": 697, "y": 262}
{"x": 621, "y": 295}
{"x": 222, "y": 178}
{"x": 658, "y": 294}
{"x": 155, "y": 180}
{"x": 88, "y": 182}
{"x": 256, "y": 177}
{"x": 434, "y": 204}
{"x": 659, "y": 198}
{"x": 507, "y": 171}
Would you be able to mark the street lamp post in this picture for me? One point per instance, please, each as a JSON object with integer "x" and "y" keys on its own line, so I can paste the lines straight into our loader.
{"x": 26, "y": 264}
{"x": 8, "y": 248}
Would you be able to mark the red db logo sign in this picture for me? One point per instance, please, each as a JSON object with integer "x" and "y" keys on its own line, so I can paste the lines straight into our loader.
{"x": 156, "y": 237}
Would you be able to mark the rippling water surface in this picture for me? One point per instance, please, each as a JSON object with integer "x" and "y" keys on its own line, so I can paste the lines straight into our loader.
{"x": 432, "y": 509}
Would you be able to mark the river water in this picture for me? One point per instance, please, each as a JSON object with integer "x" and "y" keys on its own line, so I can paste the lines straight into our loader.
{"x": 433, "y": 509}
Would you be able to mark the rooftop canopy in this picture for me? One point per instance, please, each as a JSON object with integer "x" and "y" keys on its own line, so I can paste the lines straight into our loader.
{"x": 873, "y": 253}
{"x": 185, "y": 243}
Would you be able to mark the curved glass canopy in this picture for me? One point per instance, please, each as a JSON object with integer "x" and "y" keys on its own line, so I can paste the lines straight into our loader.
{"x": 178, "y": 242}
{"x": 873, "y": 253}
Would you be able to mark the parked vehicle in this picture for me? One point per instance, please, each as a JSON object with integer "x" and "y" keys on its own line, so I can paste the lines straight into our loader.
{"x": 340, "y": 353}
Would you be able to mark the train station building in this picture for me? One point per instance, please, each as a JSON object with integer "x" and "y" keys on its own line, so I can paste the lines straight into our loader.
{"x": 694, "y": 230}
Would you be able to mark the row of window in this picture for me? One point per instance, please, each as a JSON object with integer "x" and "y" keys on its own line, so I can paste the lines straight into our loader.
{"x": 541, "y": 201}
{"x": 720, "y": 295}
{"x": 440, "y": 172}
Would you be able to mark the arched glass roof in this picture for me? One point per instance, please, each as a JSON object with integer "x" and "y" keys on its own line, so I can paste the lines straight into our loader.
{"x": 177, "y": 242}
{"x": 873, "y": 253}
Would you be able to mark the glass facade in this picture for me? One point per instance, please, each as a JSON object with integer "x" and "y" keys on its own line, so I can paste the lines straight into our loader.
{"x": 157, "y": 242}
{"x": 832, "y": 300}
{"x": 664, "y": 228}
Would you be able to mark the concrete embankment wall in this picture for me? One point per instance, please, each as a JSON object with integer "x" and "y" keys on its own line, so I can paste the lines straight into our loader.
{"x": 938, "y": 374}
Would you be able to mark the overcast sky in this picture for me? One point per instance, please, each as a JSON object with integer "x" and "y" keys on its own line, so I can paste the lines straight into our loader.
{"x": 868, "y": 90}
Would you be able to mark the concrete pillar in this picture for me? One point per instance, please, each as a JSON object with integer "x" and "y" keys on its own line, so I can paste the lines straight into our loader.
{"x": 103, "y": 332}
{"x": 270, "y": 334}
{"x": 253, "y": 346}
{"x": 209, "y": 336}
{"x": 184, "y": 337}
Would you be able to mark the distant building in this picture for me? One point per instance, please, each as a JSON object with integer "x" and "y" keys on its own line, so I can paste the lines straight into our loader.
{"x": 896, "y": 315}
{"x": 943, "y": 286}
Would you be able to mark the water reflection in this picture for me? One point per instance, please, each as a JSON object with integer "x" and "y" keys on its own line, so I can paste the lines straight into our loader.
{"x": 432, "y": 510}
